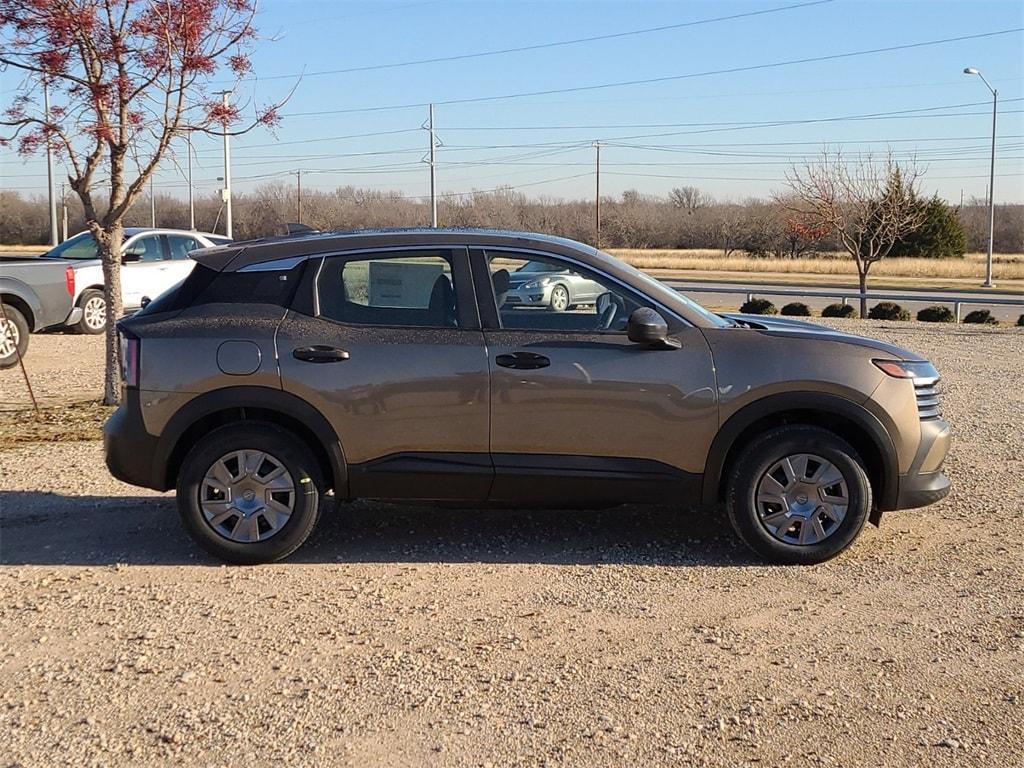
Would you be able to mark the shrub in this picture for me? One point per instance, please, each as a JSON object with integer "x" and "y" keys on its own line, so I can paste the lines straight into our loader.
{"x": 758, "y": 307}
{"x": 1020, "y": 321}
{"x": 936, "y": 315}
{"x": 839, "y": 310}
{"x": 980, "y": 317}
{"x": 796, "y": 309}
{"x": 888, "y": 310}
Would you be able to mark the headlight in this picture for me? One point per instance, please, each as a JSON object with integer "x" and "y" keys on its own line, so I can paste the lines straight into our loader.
{"x": 921, "y": 371}
{"x": 539, "y": 283}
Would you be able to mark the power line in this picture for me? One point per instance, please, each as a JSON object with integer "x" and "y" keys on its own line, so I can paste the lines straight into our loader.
{"x": 669, "y": 78}
{"x": 540, "y": 46}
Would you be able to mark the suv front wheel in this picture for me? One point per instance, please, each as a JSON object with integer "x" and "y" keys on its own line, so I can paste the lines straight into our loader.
{"x": 798, "y": 495}
{"x": 249, "y": 493}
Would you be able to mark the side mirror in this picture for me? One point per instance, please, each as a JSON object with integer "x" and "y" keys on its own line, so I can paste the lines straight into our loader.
{"x": 128, "y": 258}
{"x": 648, "y": 327}
{"x": 145, "y": 302}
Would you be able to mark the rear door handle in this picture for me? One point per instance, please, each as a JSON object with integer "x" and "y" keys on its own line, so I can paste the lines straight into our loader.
{"x": 318, "y": 353}
{"x": 524, "y": 361}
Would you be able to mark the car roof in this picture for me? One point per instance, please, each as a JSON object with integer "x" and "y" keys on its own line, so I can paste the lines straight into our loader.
{"x": 132, "y": 231}
{"x": 242, "y": 254}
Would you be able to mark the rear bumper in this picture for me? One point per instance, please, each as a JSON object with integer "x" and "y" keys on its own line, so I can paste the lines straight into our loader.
{"x": 130, "y": 450}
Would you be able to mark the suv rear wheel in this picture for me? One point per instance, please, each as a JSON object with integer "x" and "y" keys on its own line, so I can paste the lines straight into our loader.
{"x": 799, "y": 495}
{"x": 250, "y": 493}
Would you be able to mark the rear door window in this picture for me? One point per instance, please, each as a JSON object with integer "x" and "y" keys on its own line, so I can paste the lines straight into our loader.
{"x": 415, "y": 289}
{"x": 180, "y": 245}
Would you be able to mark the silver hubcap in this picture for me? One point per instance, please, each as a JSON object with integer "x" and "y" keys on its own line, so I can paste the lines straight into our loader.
{"x": 247, "y": 496}
{"x": 802, "y": 499}
{"x": 9, "y": 338}
{"x": 95, "y": 312}
{"x": 559, "y": 299}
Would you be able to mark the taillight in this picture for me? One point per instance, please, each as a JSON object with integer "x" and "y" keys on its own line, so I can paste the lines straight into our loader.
{"x": 131, "y": 348}
{"x": 69, "y": 280}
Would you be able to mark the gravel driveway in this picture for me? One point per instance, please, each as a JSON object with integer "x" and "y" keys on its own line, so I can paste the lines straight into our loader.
{"x": 416, "y": 636}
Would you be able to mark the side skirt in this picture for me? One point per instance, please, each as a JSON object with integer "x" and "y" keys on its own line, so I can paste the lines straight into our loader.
{"x": 547, "y": 480}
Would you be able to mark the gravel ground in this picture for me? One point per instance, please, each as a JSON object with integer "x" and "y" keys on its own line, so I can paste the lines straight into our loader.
{"x": 416, "y": 636}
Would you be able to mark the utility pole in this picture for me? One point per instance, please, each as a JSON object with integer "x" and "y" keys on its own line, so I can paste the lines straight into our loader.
{"x": 433, "y": 178}
{"x": 49, "y": 168}
{"x": 64, "y": 214}
{"x": 991, "y": 196}
{"x": 990, "y": 193}
{"x": 191, "y": 198}
{"x": 597, "y": 196}
{"x": 226, "y": 193}
{"x": 298, "y": 197}
{"x": 152, "y": 201}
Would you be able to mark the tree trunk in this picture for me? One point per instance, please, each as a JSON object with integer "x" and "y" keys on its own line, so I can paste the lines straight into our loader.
{"x": 863, "y": 273}
{"x": 110, "y": 242}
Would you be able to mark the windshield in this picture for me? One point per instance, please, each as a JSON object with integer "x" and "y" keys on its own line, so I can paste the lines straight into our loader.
{"x": 658, "y": 290}
{"x": 81, "y": 246}
{"x": 537, "y": 266}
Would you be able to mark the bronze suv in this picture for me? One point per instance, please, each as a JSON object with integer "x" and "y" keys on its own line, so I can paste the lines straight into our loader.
{"x": 390, "y": 365}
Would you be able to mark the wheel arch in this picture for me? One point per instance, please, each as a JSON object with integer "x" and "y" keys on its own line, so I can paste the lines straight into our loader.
{"x": 236, "y": 404}
{"x": 18, "y": 301}
{"x": 847, "y": 419}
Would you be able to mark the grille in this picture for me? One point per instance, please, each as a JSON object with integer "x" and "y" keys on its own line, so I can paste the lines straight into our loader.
{"x": 927, "y": 399}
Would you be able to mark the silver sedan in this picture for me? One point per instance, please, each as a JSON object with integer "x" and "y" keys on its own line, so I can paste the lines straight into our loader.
{"x": 537, "y": 284}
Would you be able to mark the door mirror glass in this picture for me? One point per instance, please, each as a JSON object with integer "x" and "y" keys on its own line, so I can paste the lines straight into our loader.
{"x": 130, "y": 257}
{"x": 648, "y": 327}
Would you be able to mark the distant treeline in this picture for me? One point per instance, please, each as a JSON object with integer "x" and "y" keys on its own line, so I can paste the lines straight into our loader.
{"x": 686, "y": 219}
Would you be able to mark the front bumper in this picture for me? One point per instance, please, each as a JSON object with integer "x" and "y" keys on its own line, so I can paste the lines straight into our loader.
{"x": 922, "y": 490}
{"x": 925, "y": 483}
{"x": 130, "y": 450}
{"x": 529, "y": 297}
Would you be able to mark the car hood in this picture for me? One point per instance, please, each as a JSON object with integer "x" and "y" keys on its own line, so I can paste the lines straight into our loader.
{"x": 520, "y": 278}
{"x": 784, "y": 326}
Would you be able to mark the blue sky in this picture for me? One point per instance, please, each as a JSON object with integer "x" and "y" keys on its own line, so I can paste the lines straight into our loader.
{"x": 689, "y": 131}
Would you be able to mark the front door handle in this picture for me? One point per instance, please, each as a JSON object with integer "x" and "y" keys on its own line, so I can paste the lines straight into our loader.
{"x": 319, "y": 353}
{"x": 525, "y": 361}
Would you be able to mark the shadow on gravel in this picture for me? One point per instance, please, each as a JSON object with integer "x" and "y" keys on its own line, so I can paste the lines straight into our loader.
{"x": 50, "y": 529}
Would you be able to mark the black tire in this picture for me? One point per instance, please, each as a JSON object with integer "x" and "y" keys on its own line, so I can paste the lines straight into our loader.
{"x": 13, "y": 337}
{"x": 89, "y": 298}
{"x": 760, "y": 456}
{"x": 559, "y": 291}
{"x": 285, "y": 447}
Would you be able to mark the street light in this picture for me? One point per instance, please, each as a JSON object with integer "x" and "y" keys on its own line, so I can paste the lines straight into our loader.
{"x": 991, "y": 180}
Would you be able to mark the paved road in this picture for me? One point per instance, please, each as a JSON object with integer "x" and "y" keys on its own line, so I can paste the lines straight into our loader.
{"x": 732, "y": 295}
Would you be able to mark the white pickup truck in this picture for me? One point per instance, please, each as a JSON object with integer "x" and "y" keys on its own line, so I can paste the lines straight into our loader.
{"x": 152, "y": 261}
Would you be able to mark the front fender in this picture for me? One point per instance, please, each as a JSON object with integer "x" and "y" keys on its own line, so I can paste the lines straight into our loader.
{"x": 820, "y": 403}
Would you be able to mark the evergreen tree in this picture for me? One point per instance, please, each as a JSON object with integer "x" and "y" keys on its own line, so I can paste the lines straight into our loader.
{"x": 939, "y": 236}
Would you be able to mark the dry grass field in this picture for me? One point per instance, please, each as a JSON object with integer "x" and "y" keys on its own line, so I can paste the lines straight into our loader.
{"x": 1004, "y": 266}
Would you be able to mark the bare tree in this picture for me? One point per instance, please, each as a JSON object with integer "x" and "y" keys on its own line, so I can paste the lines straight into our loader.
{"x": 869, "y": 205}
{"x": 127, "y": 78}
{"x": 689, "y": 199}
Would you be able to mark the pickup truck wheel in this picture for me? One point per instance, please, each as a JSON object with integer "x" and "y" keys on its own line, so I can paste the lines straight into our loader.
{"x": 250, "y": 493}
{"x": 13, "y": 336}
{"x": 798, "y": 495}
{"x": 94, "y": 312}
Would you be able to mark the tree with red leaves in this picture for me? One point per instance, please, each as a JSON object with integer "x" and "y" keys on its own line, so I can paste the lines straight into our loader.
{"x": 126, "y": 78}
